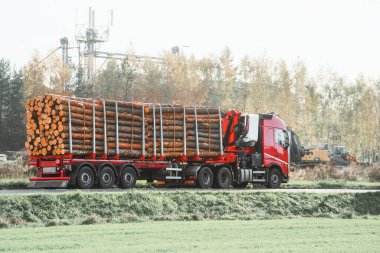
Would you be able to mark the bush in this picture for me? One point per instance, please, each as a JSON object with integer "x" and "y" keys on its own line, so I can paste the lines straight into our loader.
{"x": 92, "y": 219}
{"x": 17, "y": 168}
{"x": 3, "y": 224}
{"x": 326, "y": 172}
{"x": 374, "y": 174}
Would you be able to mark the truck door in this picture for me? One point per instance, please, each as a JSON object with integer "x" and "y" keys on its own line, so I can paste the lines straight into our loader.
{"x": 281, "y": 143}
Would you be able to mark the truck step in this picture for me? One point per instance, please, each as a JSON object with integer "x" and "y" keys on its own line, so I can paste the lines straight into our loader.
{"x": 258, "y": 180}
{"x": 173, "y": 173}
{"x": 258, "y": 172}
{"x": 173, "y": 177}
{"x": 173, "y": 169}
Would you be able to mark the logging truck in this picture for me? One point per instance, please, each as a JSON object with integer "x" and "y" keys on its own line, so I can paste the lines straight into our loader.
{"x": 90, "y": 143}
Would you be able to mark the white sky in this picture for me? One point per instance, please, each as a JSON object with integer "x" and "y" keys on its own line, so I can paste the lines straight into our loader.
{"x": 341, "y": 35}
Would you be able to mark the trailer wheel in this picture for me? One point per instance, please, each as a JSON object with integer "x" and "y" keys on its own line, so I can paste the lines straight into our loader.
{"x": 274, "y": 179}
{"x": 205, "y": 178}
{"x": 223, "y": 178}
{"x": 239, "y": 185}
{"x": 85, "y": 177}
{"x": 128, "y": 178}
{"x": 106, "y": 177}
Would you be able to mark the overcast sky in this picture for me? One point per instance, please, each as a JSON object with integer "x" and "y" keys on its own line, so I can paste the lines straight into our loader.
{"x": 341, "y": 35}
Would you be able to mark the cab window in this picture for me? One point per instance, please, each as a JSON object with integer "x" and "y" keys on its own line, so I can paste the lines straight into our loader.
{"x": 280, "y": 137}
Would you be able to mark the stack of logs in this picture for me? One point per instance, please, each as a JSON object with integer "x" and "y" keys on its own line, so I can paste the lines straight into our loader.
{"x": 135, "y": 126}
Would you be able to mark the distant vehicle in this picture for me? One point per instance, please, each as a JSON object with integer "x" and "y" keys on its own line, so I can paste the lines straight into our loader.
{"x": 334, "y": 155}
{"x": 316, "y": 155}
{"x": 339, "y": 156}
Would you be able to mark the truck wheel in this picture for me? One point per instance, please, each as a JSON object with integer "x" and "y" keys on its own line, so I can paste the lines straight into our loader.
{"x": 239, "y": 185}
{"x": 128, "y": 178}
{"x": 106, "y": 177}
{"x": 85, "y": 178}
{"x": 223, "y": 178}
{"x": 205, "y": 178}
{"x": 274, "y": 179}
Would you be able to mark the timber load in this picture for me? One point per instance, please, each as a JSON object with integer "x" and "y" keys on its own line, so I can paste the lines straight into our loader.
{"x": 61, "y": 125}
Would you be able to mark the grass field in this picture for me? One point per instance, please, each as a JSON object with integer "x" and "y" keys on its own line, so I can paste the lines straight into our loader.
{"x": 285, "y": 235}
{"x": 139, "y": 205}
{"x": 332, "y": 184}
{"x": 319, "y": 184}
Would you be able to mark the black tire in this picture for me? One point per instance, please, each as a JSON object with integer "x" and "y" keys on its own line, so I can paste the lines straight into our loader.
{"x": 85, "y": 177}
{"x": 205, "y": 178}
{"x": 239, "y": 185}
{"x": 107, "y": 177}
{"x": 223, "y": 178}
{"x": 128, "y": 178}
{"x": 274, "y": 179}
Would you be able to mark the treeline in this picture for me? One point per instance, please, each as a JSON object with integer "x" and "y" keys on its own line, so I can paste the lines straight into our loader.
{"x": 12, "y": 130}
{"x": 322, "y": 109}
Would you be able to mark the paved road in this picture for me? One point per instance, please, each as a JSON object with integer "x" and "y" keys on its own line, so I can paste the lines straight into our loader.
{"x": 56, "y": 191}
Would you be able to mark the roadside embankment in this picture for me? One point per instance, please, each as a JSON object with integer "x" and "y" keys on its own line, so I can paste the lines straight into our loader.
{"x": 140, "y": 205}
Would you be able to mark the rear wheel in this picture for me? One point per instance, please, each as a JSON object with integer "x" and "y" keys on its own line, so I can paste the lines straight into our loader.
{"x": 128, "y": 178}
{"x": 223, "y": 178}
{"x": 205, "y": 178}
{"x": 85, "y": 178}
{"x": 274, "y": 179}
{"x": 106, "y": 177}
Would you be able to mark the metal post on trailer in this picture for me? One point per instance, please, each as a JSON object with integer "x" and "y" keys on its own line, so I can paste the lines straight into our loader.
{"x": 154, "y": 132}
{"x": 184, "y": 132}
{"x": 143, "y": 131}
{"x": 93, "y": 130}
{"x": 220, "y": 133}
{"x": 105, "y": 128}
{"x": 161, "y": 134}
{"x": 196, "y": 131}
{"x": 117, "y": 129}
{"x": 70, "y": 129}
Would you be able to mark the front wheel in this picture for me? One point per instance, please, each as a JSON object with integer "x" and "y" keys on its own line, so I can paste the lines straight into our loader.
{"x": 274, "y": 179}
{"x": 205, "y": 178}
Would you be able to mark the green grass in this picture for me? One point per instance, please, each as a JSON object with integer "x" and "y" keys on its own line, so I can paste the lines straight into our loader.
{"x": 137, "y": 205}
{"x": 14, "y": 183}
{"x": 332, "y": 184}
{"x": 286, "y": 235}
{"x": 323, "y": 184}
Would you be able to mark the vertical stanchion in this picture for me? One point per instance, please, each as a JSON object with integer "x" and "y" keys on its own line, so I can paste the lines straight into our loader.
{"x": 143, "y": 130}
{"x": 117, "y": 129}
{"x": 184, "y": 131}
{"x": 105, "y": 127}
{"x": 220, "y": 134}
{"x": 70, "y": 129}
{"x": 161, "y": 134}
{"x": 196, "y": 130}
{"x": 93, "y": 129}
{"x": 154, "y": 131}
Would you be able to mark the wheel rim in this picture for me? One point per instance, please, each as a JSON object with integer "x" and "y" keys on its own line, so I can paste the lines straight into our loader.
{"x": 107, "y": 178}
{"x": 275, "y": 179}
{"x": 223, "y": 177}
{"x": 206, "y": 178}
{"x": 86, "y": 178}
{"x": 128, "y": 178}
